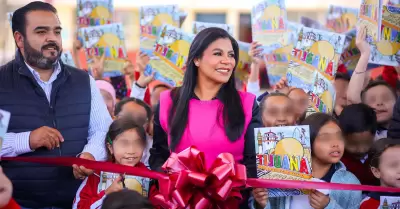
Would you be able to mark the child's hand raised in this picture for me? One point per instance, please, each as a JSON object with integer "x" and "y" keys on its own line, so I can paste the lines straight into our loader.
{"x": 318, "y": 200}
{"x": 361, "y": 42}
{"x": 97, "y": 66}
{"x": 116, "y": 186}
{"x": 261, "y": 197}
{"x": 142, "y": 60}
{"x": 282, "y": 86}
{"x": 255, "y": 52}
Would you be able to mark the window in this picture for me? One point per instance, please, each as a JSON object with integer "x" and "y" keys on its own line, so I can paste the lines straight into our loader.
{"x": 211, "y": 17}
{"x": 245, "y": 34}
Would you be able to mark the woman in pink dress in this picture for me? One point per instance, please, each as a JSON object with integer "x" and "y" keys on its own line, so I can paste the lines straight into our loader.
{"x": 207, "y": 111}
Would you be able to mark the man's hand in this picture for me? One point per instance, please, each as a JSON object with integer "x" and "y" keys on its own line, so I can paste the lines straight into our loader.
{"x": 80, "y": 172}
{"x": 45, "y": 137}
{"x": 116, "y": 186}
{"x": 318, "y": 200}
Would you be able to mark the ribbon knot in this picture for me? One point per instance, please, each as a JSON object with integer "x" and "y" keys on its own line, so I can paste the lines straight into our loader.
{"x": 190, "y": 185}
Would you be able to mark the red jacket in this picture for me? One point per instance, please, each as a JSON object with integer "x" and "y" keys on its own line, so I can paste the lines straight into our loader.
{"x": 88, "y": 198}
{"x": 11, "y": 205}
{"x": 361, "y": 170}
{"x": 370, "y": 203}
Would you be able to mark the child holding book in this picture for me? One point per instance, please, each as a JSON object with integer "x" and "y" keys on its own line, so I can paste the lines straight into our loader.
{"x": 327, "y": 147}
{"x": 126, "y": 199}
{"x": 125, "y": 144}
{"x": 385, "y": 165}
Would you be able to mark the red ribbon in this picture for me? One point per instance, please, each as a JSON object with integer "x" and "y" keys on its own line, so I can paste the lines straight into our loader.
{"x": 188, "y": 183}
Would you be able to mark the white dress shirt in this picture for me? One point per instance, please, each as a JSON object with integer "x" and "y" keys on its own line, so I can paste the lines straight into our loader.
{"x": 15, "y": 144}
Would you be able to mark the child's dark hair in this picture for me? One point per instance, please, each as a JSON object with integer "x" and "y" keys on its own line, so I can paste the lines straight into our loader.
{"x": 375, "y": 84}
{"x": 120, "y": 105}
{"x": 316, "y": 121}
{"x": 356, "y": 118}
{"x": 379, "y": 148}
{"x": 274, "y": 94}
{"x": 343, "y": 76}
{"x": 126, "y": 199}
{"x": 118, "y": 127}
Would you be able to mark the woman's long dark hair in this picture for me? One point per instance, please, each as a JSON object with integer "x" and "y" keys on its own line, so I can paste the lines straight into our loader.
{"x": 233, "y": 114}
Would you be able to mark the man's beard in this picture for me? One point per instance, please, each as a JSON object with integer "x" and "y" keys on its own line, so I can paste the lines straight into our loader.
{"x": 36, "y": 58}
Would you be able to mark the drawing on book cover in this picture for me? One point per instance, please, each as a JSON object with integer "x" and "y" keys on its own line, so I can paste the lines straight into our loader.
{"x": 94, "y": 12}
{"x": 393, "y": 3}
{"x": 172, "y": 49}
{"x": 152, "y": 18}
{"x": 182, "y": 17}
{"x": 389, "y": 202}
{"x": 351, "y": 54}
{"x": 268, "y": 19}
{"x": 277, "y": 63}
{"x": 370, "y": 16}
{"x": 139, "y": 184}
{"x": 341, "y": 19}
{"x": 4, "y": 121}
{"x": 67, "y": 59}
{"x": 319, "y": 50}
{"x": 384, "y": 51}
{"x": 243, "y": 67}
{"x": 300, "y": 76}
{"x": 199, "y": 26}
{"x": 108, "y": 40}
{"x": 283, "y": 153}
{"x": 323, "y": 94}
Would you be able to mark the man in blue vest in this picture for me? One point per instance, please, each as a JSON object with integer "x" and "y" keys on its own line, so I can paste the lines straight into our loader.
{"x": 56, "y": 110}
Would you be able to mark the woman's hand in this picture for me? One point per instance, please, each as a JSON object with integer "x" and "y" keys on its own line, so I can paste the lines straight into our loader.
{"x": 261, "y": 197}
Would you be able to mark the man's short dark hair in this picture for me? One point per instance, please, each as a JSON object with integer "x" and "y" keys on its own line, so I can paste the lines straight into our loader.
{"x": 376, "y": 83}
{"x": 357, "y": 118}
{"x": 19, "y": 16}
{"x": 120, "y": 105}
{"x": 126, "y": 199}
{"x": 343, "y": 76}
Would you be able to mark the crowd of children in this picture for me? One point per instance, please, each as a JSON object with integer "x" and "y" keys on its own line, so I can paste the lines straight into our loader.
{"x": 358, "y": 143}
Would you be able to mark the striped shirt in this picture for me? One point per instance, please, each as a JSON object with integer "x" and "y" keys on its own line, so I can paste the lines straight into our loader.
{"x": 15, "y": 144}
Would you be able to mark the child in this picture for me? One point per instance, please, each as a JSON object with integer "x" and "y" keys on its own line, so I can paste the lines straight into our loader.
{"x": 358, "y": 123}
{"x": 385, "y": 165}
{"x": 141, "y": 112}
{"x": 108, "y": 93}
{"x": 327, "y": 147}
{"x": 126, "y": 199}
{"x": 381, "y": 97}
{"x": 277, "y": 110}
{"x": 341, "y": 84}
{"x": 301, "y": 102}
{"x": 125, "y": 144}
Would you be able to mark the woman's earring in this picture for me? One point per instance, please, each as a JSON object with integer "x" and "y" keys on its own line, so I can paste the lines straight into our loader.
{"x": 197, "y": 64}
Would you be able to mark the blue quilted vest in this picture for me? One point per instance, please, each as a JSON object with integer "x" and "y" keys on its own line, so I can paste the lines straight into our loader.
{"x": 37, "y": 185}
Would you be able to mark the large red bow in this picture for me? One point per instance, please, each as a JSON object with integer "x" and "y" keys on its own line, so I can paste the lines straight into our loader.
{"x": 190, "y": 185}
